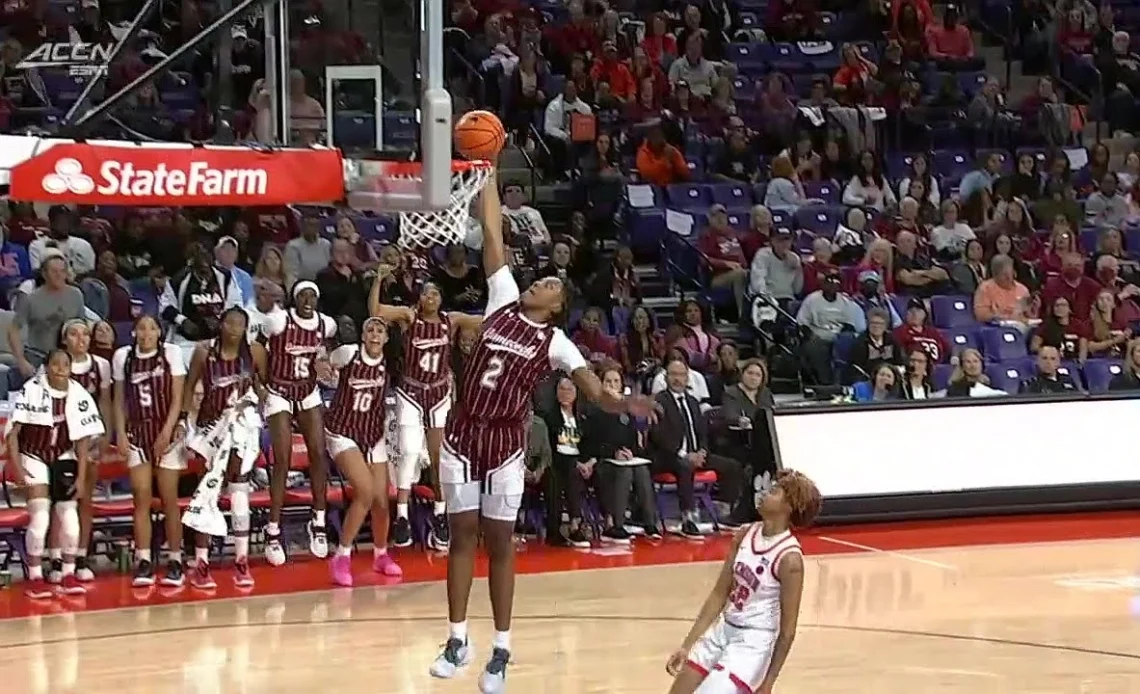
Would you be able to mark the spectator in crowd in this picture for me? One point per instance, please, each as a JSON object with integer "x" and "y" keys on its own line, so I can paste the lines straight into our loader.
{"x": 557, "y": 127}
{"x": 641, "y": 347}
{"x": 113, "y": 292}
{"x": 527, "y": 92}
{"x": 908, "y": 219}
{"x": 759, "y": 232}
{"x": 915, "y": 273}
{"x": 976, "y": 190}
{"x": 616, "y": 284}
{"x": 908, "y": 33}
{"x": 784, "y": 193}
{"x": 575, "y": 37}
{"x": 1129, "y": 376}
{"x": 679, "y": 441}
{"x": 778, "y": 113}
{"x": 870, "y": 294}
{"x": 880, "y": 258}
{"x": 572, "y": 471}
{"x": 1059, "y": 198}
{"x": 874, "y": 346}
{"x": 1108, "y": 332}
{"x": 970, "y": 270}
{"x": 915, "y": 383}
{"x": 1073, "y": 34}
{"x": 344, "y": 290}
{"x": 1061, "y": 330}
{"x": 592, "y": 339}
{"x": 868, "y": 187}
{"x": 23, "y": 224}
{"x": 659, "y": 45}
{"x": 268, "y": 297}
{"x": 854, "y": 74}
{"x": 690, "y": 25}
{"x": 881, "y": 386}
{"x": 610, "y": 69}
{"x": 15, "y": 268}
{"x": 1062, "y": 242}
{"x": 791, "y": 20}
{"x": 1110, "y": 243}
{"x": 693, "y": 69}
{"x": 951, "y": 235}
{"x": 815, "y": 269}
{"x": 225, "y": 258}
{"x": 1002, "y": 298}
{"x": 42, "y": 313}
{"x": 968, "y": 379}
{"x": 461, "y": 283}
{"x": 131, "y": 247}
{"x": 1107, "y": 272}
{"x": 601, "y": 165}
{"x": 725, "y": 372}
{"x": 561, "y": 266}
{"x": 777, "y": 272}
{"x": 949, "y": 42}
{"x": 827, "y": 313}
{"x": 692, "y": 332}
{"x": 539, "y": 460}
{"x": 307, "y": 254}
{"x": 738, "y": 163}
{"x": 1024, "y": 183}
{"x": 1048, "y": 379}
{"x": 743, "y": 411}
{"x": 524, "y": 218}
{"x": 696, "y": 384}
{"x": 919, "y": 170}
{"x": 1107, "y": 207}
{"x": 616, "y": 441}
{"x": 78, "y": 253}
{"x": 399, "y": 281}
{"x": 659, "y": 162}
{"x": 271, "y": 266}
{"x": 1120, "y": 70}
{"x": 647, "y": 106}
{"x": 1081, "y": 291}
{"x": 721, "y": 247}
{"x": 916, "y": 333}
{"x": 1024, "y": 272}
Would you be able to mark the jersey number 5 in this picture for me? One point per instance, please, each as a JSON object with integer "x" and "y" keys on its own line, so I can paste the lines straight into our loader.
{"x": 146, "y": 396}
{"x": 490, "y": 379}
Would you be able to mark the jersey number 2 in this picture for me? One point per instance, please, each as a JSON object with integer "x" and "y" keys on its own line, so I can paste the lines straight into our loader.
{"x": 490, "y": 379}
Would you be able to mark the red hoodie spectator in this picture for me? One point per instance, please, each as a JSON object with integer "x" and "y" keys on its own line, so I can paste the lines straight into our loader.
{"x": 922, "y": 7}
{"x": 914, "y": 334}
{"x": 575, "y": 36}
{"x": 819, "y": 266}
{"x": 720, "y": 243}
{"x": 657, "y": 43}
{"x": 610, "y": 69}
{"x": 1073, "y": 35}
{"x": 949, "y": 38}
{"x": 1073, "y": 285}
{"x": 594, "y": 343}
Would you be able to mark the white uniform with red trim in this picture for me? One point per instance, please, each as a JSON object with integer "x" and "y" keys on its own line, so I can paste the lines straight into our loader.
{"x": 741, "y": 640}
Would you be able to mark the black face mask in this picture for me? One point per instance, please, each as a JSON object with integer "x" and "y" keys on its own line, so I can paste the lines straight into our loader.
{"x": 869, "y": 290}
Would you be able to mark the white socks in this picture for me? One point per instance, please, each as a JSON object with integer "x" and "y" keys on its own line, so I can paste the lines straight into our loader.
{"x": 379, "y": 551}
{"x": 343, "y": 551}
{"x": 458, "y": 630}
{"x": 502, "y": 640}
{"x": 318, "y": 517}
{"x": 402, "y": 510}
{"x": 202, "y": 554}
{"x": 440, "y": 508}
{"x": 142, "y": 554}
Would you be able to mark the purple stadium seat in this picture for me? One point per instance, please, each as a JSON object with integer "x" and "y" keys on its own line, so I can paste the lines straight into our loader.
{"x": 734, "y": 196}
{"x": 971, "y": 82}
{"x": 899, "y": 303}
{"x": 1088, "y": 237}
{"x": 824, "y": 190}
{"x": 1132, "y": 239}
{"x": 123, "y": 331}
{"x": 1003, "y": 344}
{"x": 1039, "y": 154}
{"x": 804, "y": 241}
{"x": 688, "y": 195}
{"x": 1071, "y": 369}
{"x": 738, "y": 219}
{"x": 1100, "y": 372}
{"x": 1007, "y": 377}
{"x": 646, "y": 227}
{"x": 940, "y": 376}
{"x": 820, "y": 220}
{"x": 952, "y": 311}
{"x": 961, "y": 338}
{"x": 376, "y": 230}
{"x": 745, "y": 55}
{"x": 780, "y": 219}
{"x": 952, "y": 163}
{"x": 783, "y": 57}
{"x": 696, "y": 167}
{"x": 898, "y": 164}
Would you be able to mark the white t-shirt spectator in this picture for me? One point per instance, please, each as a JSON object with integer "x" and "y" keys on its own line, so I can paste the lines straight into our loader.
{"x": 698, "y": 387}
{"x": 699, "y": 75}
{"x": 527, "y": 220}
{"x": 557, "y": 121}
{"x": 79, "y": 254}
{"x": 951, "y": 239}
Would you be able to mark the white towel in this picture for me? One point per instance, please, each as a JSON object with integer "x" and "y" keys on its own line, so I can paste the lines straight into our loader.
{"x": 33, "y": 406}
{"x": 238, "y": 429}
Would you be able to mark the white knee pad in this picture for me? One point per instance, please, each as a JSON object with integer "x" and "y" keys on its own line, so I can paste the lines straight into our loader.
{"x": 719, "y": 682}
{"x": 411, "y": 450}
{"x": 39, "y": 512}
{"x": 67, "y": 516}
{"x": 239, "y": 507}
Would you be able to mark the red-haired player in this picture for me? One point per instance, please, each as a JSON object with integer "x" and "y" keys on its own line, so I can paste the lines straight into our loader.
{"x": 354, "y": 432}
{"x": 296, "y": 339}
{"x": 423, "y": 397}
{"x": 48, "y": 439}
{"x": 148, "y": 378}
{"x": 484, "y": 448}
{"x": 744, "y": 631}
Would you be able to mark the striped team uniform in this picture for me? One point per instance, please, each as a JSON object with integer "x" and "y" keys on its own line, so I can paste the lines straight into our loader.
{"x": 484, "y": 446}
{"x": 94, "y": 374}
{"x": 355, "y": 417}
{"x": 423, "y": 396}
{"x": 741, "y": 640}
{"x": 224, "y": 383}
{"x": 41, "y": 446}
{"x": 148, "y": 380}
{"x": 294, "y": 343}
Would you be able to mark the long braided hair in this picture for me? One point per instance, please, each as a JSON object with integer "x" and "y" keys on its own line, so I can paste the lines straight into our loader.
{"x": 245, "y": 355}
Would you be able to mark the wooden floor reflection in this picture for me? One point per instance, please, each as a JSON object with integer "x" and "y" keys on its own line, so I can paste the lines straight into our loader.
{"x": 1026, "y": 618}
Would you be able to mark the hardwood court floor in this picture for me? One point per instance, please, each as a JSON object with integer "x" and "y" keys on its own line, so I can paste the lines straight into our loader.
{"x": 1038, "y": 617}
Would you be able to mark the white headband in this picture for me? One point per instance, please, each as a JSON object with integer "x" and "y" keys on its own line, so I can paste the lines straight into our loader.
{"x": 306, "y": 284}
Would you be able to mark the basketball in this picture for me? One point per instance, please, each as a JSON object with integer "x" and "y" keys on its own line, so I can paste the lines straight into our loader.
{"x": 480, "y": 135}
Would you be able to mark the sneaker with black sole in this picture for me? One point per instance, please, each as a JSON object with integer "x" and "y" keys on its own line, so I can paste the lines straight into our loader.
{"x": 440, "y": 537}
{"x": 318, "y": 539}
{"x": 578, "y": 538}
{"x": 690, "y": 530}
{"x": 175, "y": 575}
{"x": 143, "y": 574}
{"x": 652, "y": 532}
{"x": 634, "y": 530}
{"x": 402, "y": 533}
{"x": 616, "y": 535}
{"x": 55, "y": 572}
{"x": 83, "y": 570}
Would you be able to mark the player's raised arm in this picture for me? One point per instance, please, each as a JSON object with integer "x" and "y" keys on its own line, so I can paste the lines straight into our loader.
{"x": 391, "y": 314}
{"x": 791, "y": 575}
{"x": 491, "y": 215}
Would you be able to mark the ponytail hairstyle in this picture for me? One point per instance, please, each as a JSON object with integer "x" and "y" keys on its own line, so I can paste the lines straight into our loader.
{"x": 132, "y": 352}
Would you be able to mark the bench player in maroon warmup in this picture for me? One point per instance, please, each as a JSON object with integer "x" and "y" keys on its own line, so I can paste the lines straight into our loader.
{"x": 423, "y": 398}
{"x": 148, "y": 378}
{"x": 484, "y": 446}
{"x": 354, "y": 430}
{"x": 296, "y": 339}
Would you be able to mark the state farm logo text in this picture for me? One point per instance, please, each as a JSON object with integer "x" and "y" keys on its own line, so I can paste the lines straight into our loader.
{"x": 122, "y": 178}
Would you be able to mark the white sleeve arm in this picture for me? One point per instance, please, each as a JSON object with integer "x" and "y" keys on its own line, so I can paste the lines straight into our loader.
{"x": 340, "y": 356}
{"x": 119, "y": 363}
{"x": 168, "y": 299}
{"x": 274, "y": 323}
{"x": 175, "y": 361}
{"x": 104, "y": 367}
{"x": 564, "y": 354}
{"x": 501, "y": 290}
{"x": 330, "y": 326}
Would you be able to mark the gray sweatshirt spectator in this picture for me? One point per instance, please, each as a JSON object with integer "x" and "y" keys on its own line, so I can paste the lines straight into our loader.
{"x": 776, "y": 270}
{"x": 1107, "y": 207}
{"x": 826, "y": 316}
{"x": 307, "y": 254}
{"x": 693, "y": 69}
{"x": 783, "y": 195}
{"x": 41, "y": 314}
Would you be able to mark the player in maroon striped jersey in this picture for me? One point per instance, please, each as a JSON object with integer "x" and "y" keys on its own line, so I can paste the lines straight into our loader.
{"x": 148, "y": 378}
{"x": 354, "y": 432}
{"x": 227, "y": 367}
{"x": 423, "y": 398}
{"x": 48, "y": 439}
{"x": 94, "y": 374}
{"x": 296, "y": 340}
{"x": 484, "y": 446}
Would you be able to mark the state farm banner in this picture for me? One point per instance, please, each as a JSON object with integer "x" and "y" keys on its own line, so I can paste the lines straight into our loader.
{"x": 114, "y": 173}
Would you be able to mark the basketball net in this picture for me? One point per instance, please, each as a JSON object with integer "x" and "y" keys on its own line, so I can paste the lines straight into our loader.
{"x": 422, "y": 229}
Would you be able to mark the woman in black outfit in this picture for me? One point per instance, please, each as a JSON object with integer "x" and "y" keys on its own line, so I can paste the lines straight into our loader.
{"x": 915, "y": 383}
{"x": 572, "y": 471}
{"x": 615, "y": 437}
{"x": 725, "y": 373}
{"x": 745, "y": 414}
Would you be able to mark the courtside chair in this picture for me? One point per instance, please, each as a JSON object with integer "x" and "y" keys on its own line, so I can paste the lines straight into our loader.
{"x": 1100, "y": 372}
{"x": 668, "y": 503}
{"x": 13, "y": 525}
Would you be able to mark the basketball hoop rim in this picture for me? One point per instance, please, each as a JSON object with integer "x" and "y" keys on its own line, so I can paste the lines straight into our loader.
{"x": 413, "y": 168}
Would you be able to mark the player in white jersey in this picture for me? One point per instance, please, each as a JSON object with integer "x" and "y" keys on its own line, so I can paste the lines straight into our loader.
{"x": 744, "y": 631}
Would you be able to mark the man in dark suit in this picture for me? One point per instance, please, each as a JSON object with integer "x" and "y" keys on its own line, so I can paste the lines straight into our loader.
{"x": 679, "y": 442}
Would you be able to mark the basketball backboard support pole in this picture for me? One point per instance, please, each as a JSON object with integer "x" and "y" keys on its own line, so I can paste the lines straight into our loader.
{"x": 281, "y": 105}
{"x": 269, "y": 14}
{"x": 435, "y": 109}
{"x": 341, "y": 73}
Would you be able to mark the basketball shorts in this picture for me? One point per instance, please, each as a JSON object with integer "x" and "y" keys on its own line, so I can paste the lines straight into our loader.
{"x": 743, "y": 653}
{"x": 426, "y": 409}
{"x": 336, "y": 444}
{"x": 276, "y": 403}
{"x": 142, "y": 440}
{"x": 498, "y": 495}
{"x": 59, "y": 477}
